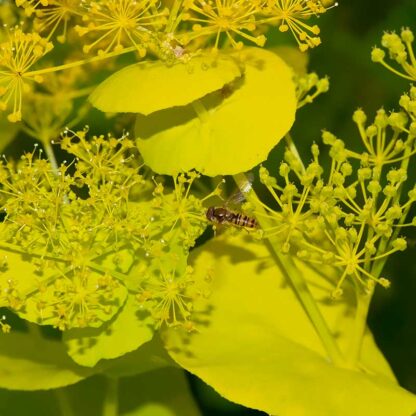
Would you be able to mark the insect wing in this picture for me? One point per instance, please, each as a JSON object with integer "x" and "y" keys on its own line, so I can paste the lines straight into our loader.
{"x": 240, "y": 195}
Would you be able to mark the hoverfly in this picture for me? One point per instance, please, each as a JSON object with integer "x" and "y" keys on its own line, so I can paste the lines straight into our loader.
{"x": 222, "y": 215}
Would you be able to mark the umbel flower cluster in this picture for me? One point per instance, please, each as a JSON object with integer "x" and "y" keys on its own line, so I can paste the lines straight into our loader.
{"x": 169, "y": 30}
{"x": 400, "y": 51}
{"x": 351, "y": 216}
{"x": 77, "y": 241}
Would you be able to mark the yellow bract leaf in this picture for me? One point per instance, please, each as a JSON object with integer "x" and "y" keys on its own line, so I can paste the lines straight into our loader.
{"x": 258, "y": 348}
{"x": 48, "y": 296}
{"x": 147, "y": 87}
{"x": 124, "y": 333}
{"x": 228, "y": 131}
{"x": 34, "y": 363}
{"x": 163, "y": 392}
{"x": 296, "y": 59}
{"x": 149, "y": 357}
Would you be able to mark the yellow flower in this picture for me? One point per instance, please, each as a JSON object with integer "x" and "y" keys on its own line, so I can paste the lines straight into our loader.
{"x": 17, "y": 56}
{"x": 401, "y": 53}
{"x": 290, "y": 15}
{"x": 31, "y": 5}
{"x": 57, "y": 14}
{"x": 230, "y": 17}
{"x": 117, "y": 24}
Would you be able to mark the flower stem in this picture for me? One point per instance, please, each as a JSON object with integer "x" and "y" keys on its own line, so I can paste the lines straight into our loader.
{"x": 360, "y": 325}
{"x": 110, "y": 406}
{"x": 174, "y": 19}
{"x": 200, "y": 110}
{"x": 292, "y": 147}
{"x": 51, "y": 155}
{"x": 63, "y": 402}
{"x": 287, "y": 265}
{"x": 78, "y": 63}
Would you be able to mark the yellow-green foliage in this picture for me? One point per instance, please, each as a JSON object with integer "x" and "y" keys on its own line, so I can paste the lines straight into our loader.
{"x": 99, "y": 274}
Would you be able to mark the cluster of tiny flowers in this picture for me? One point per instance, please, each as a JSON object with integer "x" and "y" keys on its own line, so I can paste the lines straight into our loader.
{"x": 351, "y": 217}
{"x": 308, "y": 87}
{"x": 400, "y": 51}
{"x": 243, "y": 19}
{"x": 116, "y": 24}
{"x": 113, "y": 25}
{"x": 56, "y": 17}
{"x": 17, "y": 55}
{"x": 92, "y": 230}
{"x": 169, "y": 30}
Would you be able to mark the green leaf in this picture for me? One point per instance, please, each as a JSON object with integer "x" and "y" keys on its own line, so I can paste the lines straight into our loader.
{"x": 159, "y": 393}
{"x": 162, "y": 392}
{"x": 258, "y": 348}
{"x": 150, "y": 356}
{"x": 18, "y": 403}
{"x": 127, "y": 331}
{"x": 151, "y": 86}
{"x": 228, "y": 131}
{"x": 29, "y": 362}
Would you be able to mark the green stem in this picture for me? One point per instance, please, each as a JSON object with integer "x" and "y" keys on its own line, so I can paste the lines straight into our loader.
{"x": 18, "y": 249}
{"x": 105, "y": 270}
{"x": 363, "y": 298}
{"x": 200, "y": 110}
{"x": 398, "y": 73}
{"x": 78, "y": 63}
{"x": 110, "y": 406}
{"x": 173, "y": 16}
{"x": 63, "y": 402}
{"x": 51, "y": 155}
{"x": 360, "y": 325}
{"x": 287, "y": 265}
{"x": 292, "y": 147}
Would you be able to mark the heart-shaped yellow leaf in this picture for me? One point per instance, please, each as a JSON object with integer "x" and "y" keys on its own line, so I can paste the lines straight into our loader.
{"x": 151, "y": 86}
{"x": 256, "y": 346}
{"x": 228, "y": 131}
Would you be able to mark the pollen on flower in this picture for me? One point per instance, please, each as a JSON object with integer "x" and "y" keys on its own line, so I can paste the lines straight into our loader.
{"x": 113, "y": 25}
{"x": 17, "y": 56}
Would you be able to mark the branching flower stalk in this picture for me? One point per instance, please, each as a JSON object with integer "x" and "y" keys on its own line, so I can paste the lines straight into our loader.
{"x": 400, "y": 50}
{"x": 348, "y": 218}
{"x": 298, "y": 283}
